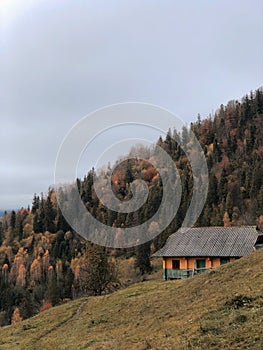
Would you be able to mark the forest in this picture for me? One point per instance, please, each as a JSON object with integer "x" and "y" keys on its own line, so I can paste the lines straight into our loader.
{"x": 44, "y": 262}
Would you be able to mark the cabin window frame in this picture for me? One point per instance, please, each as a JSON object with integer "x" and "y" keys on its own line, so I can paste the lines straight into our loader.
{"x": 224, "y": 260}
{"x": 198, "y": 261}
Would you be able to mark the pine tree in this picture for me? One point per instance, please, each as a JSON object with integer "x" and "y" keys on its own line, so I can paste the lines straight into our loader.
{"x": 229, "y": 204}
{"x": 216, "y": 151}
{"x": 52, "y": 293}
{"x": 19, "y": 226}
{"x": 259, "y": 101}
{"x": 212, "y": 196}
{"x": 13, "y": 220}
{"x": 1, "y": 233}
{"x": 128, "y": 174}
{"x": 222, "y": 188}
{"x": 62, "y": 224}
{"x": 35, "y": 204}
{"x": 98, "y": 275}
{"x": 49, "y": 216}
{"x": 28, "y": 307}
{"x": 143, "y": 253}
{"x": 37, "y": 227}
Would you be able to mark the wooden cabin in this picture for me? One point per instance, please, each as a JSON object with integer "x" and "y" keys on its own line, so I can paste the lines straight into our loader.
{"x": 188, "y": 252}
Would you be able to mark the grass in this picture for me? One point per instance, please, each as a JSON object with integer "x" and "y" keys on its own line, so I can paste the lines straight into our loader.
{"x": 220, "y": 309}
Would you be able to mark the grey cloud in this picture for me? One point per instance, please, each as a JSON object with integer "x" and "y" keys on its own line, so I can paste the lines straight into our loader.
{"x": 61, "y": 60}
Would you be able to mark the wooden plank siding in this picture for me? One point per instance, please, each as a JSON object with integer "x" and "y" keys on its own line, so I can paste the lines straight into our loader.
{"x": 188, "y": 266}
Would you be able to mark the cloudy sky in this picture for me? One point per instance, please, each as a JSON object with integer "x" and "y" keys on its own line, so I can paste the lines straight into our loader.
{"x": 60, "y": 60}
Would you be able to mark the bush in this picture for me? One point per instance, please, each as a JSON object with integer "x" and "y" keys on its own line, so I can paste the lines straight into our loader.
{"x": 45, "y": 307}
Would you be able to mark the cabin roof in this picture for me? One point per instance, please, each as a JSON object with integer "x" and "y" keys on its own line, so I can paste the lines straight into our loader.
{"x": 210, "y": 241}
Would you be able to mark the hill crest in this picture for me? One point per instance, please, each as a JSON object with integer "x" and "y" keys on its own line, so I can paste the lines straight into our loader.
{"x": 220, "y": 309}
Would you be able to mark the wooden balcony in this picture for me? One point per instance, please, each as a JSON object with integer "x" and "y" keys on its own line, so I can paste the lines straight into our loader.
{"x": 183, "y": 273}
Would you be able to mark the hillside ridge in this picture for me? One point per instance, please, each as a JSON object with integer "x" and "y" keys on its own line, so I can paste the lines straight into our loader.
{"x": 219, "y": 309}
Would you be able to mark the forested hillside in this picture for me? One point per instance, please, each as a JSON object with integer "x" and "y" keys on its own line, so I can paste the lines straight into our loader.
{"x": 43, "y": 261}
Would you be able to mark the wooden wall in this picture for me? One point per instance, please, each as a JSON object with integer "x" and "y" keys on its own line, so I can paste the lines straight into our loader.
{"x": 190, "y": 263}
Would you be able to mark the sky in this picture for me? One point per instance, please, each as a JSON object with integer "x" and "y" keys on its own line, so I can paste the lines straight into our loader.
{"x": 61, "y": 60}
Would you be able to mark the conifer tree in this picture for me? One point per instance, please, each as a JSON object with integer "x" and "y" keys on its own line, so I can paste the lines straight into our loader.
{"x": 222, "y": 188}
{"x": 99, "y": 274}
{"x": 142, "y": 261}
{"x": 52, "y": 293}
{"x": 1, "y": 233}
{"x": 13, "y": 220}
{"x": 35, "y": 204}
{"x": 212, "y": 196}
{"x": 49, "y": 216}
{"x": 19, "y": 226}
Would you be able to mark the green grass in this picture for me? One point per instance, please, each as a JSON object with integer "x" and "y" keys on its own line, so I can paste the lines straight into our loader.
{"x": 220, "y": 309}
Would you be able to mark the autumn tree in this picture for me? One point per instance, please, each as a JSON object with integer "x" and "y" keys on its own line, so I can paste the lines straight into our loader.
{"x": 16, "y": 316}
{"x": 226, "y": 220}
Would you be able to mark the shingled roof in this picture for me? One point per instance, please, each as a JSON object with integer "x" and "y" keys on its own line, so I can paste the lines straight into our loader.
{"x": 210, "y": 241}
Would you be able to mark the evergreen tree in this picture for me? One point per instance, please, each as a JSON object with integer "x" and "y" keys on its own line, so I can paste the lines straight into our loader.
{"x": 19, "y": 226}
{"x": 212, "y": 196}
{"x": 143, "y": 253}
{"x": 185, "y": 136}
{"x": 62, "y": 224}
{"x": 259, "y": 101}
{"x": 128, "y": 174}
{"x": 222, "y": 188}
{"x": 67, "y": 283}
{"x": 229, "y": 204}
{"x": 99, "y": 274}
{"x": 59, "y": 246}
{"x": 52, "y": 293}
{"x": 1, "y": 233}
{"x": 49, "y": 216}
{"x": 35, "y": 204}
{"x": 13, "y": 220}
{"x": 216, "y": 151}
{"x": 28, "y": 306}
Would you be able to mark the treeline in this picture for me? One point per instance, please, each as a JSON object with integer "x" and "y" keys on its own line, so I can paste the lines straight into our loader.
{"x": 43, "y": 261}
{"x": 233, "y": 143}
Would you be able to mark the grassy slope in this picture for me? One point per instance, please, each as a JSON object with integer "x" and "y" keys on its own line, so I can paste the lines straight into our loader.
{"x": 198, "y": 313}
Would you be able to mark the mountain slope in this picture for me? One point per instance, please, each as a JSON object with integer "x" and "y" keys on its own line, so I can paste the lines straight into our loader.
{"x": 39, "y": 238}
{"x": 220, "y": 309}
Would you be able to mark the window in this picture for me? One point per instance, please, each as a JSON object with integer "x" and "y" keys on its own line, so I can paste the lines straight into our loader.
{"x": 224, "y": 261}
{"x": 200, "y": 264}
{"x": 176, "y": 264}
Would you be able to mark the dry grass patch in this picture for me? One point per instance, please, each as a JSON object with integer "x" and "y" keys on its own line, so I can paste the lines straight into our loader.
{"x": 220, "y": 309}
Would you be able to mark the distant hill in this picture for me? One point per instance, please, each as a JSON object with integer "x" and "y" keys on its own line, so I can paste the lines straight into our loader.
{"x": 219, "y": 309}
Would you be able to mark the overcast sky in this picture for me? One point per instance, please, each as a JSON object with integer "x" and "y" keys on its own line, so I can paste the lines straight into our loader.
{"x": 60, "y": 60}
